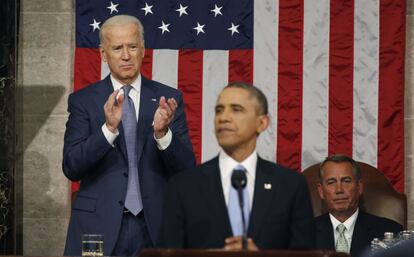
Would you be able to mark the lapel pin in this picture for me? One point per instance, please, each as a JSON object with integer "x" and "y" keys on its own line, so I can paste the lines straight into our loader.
{"x": 153, "y": 99}
{"x": 268, "y": 186}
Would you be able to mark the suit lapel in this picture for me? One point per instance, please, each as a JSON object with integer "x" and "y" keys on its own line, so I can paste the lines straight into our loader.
{"x": 262, "y": 198}
{"x": 212, "y": 191}
{"x": 325, "y": 237}
{"x": 361, "y": 231}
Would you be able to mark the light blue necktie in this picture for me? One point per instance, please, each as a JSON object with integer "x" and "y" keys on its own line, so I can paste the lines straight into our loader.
{"x": 133, "y": 201}
{"x": 234, "y": 207}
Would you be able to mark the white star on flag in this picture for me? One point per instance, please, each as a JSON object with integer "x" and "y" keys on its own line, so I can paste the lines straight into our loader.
{"x": 95, "y": 25}
{"x": 216, "y": 10}
{"x": 164, "y": 27}
{"x": 233, "y": 28}
{"x": 182, "y": 10}
{"x": 199, "y": 28}
{"x": 113, "y": 7}
{"x": 147, "y": 9}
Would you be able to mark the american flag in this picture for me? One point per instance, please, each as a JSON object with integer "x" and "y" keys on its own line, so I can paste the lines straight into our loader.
{"x": 332, "y": 70}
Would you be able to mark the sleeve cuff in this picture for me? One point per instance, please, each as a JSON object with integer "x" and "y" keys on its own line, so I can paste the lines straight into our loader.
{"x": 164, "y": 142}
{"x": 110, "y": 137}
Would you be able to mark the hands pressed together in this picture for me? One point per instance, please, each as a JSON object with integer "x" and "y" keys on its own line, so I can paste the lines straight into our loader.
{"x": 163, "y": 116}
{"x": 235, "y": 243}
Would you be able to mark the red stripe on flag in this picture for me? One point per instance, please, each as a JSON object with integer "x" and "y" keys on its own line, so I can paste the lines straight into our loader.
{"x": 146, "y": 68}
{"x": 241, "y": 65}
{"x": 341, "y": 61}
{"x": 391, "y": 91}
{"x": 289, "y": 131}
{"x": 190, "y": 82}
{"x": 87, "y": 67}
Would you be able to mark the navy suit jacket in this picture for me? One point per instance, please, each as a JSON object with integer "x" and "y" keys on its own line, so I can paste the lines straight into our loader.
{"x": 103, "y": 169}
{"x": 195, "y": 213}
{"x": 367, "y": 226}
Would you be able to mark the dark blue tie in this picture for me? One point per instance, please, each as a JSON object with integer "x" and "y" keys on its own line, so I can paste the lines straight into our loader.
{"x": 133, "y": 201}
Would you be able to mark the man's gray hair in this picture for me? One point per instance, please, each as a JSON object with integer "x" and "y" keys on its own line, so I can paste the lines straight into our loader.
{"x": 119, "y": 20}
{"x": 340, "y": 158}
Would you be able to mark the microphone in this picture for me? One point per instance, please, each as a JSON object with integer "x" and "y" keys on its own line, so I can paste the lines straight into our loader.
{"x": 239, "y": 182}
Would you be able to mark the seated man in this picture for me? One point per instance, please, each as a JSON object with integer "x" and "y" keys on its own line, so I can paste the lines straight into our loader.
{"x": 346, "y": 228}
{"x": 201, "y": 207}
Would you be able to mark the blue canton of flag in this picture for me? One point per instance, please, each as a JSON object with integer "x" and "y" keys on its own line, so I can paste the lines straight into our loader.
{"x": 198, "y": 24}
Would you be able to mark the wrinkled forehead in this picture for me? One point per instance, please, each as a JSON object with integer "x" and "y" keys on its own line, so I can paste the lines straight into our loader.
{"x": 337, "y": 170}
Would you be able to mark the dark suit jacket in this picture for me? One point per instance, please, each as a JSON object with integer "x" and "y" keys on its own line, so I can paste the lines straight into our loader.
{"x": 103, "y": 169}
{"x": 195, "y": 213}
{"x": 367, "y": 226}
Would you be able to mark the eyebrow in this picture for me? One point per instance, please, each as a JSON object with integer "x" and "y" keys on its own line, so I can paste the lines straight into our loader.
{"x": 342, "y": 178}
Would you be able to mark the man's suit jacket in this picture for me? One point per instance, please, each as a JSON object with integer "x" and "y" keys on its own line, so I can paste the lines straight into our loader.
{"x": 367, "y": 226}
{"x": 103, "y": 169}
{"x": 195, "y": 213}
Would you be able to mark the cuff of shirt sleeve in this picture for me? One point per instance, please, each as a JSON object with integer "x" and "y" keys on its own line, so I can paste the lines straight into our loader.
{"x": 110, "y": 137}
{"x": 165, "y": 141}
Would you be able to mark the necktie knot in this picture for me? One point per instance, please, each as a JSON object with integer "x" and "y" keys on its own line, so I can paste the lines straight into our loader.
{"x": 126, "y": 89}
{"x": 239, "y": 168}
{"x": 341, "y": 228}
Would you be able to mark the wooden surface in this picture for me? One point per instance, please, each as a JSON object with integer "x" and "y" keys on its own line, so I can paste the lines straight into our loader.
{"x": 222, "y": 253}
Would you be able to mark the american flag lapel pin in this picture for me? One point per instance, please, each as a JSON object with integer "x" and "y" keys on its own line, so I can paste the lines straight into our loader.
{"x": 267, "y": 186}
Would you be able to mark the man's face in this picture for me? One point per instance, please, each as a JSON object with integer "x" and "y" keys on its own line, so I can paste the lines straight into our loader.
{"x": 123, "y": 50}
{"x": 237, "y": 120}
{"x": 340, "y": 188}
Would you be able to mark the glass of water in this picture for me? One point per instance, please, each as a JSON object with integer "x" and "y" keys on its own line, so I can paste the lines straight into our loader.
{"x": 92, "y": 245}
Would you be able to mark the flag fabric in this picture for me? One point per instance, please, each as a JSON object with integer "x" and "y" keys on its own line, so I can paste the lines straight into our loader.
{"x": 332, "y": 70}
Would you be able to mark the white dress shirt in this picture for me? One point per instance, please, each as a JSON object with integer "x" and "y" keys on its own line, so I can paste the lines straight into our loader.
{"x": 227, "y": 164}
{"x": 134, "y": 94}
{"x": 349, "y": 224}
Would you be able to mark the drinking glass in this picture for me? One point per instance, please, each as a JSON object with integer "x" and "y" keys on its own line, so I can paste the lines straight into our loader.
{"x": 92, "y": 245}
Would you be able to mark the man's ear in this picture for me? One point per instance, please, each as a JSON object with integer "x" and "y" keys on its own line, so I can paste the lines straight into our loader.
{"x": 320, "y": 191}
{"x": 102, "y": 52}
{"x": 263, "y": 123}
{"x": 360, "y": 187}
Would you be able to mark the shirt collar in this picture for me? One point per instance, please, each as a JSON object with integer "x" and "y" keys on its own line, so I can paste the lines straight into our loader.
{"x": 227, "y": 164}
{"x": 349, "y": 223}
{"x": 135, "y": 84}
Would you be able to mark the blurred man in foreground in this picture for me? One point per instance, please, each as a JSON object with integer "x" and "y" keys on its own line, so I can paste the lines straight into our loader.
{"x": 202, "y": 209}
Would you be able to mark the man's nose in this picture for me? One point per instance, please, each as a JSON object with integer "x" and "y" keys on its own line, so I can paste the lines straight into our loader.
{"x": 224, "y": 116}
{"x": 125, "y": 53}
{"x": 339, "y": 188}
